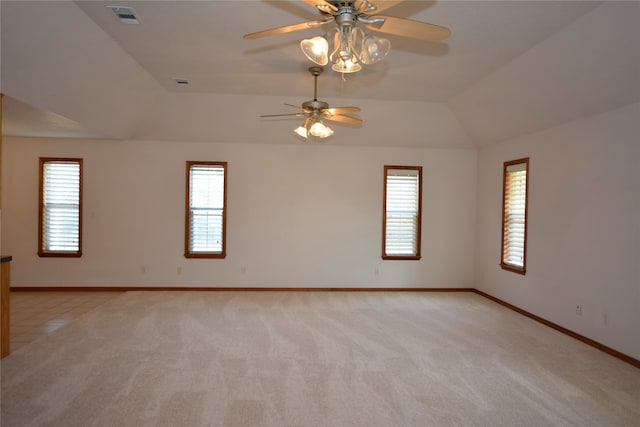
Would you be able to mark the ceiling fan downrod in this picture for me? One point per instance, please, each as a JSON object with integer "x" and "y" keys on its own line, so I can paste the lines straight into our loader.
{"x": 315, "y": 104}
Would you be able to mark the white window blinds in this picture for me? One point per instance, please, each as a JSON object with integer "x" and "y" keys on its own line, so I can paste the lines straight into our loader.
{"x": 514, "y": 221}
{"x": 206, "y": 208}
{"x": 60, "y": 206}
{"x": 402, "y": 212}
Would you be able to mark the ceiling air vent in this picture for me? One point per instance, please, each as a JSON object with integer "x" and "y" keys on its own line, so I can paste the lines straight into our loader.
{"x": 124, "y": 14}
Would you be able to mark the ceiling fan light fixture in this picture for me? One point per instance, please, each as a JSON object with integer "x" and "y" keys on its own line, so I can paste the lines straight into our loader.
{"x": 352, "y": 46}
{"x": 316, "y": 49}
{"x": 313, "y": 128}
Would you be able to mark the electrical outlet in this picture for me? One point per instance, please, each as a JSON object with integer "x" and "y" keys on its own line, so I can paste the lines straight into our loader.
{"x": 243, "y": 270}
{"x": 376, "y": 271}
{"x": 579, "y": 309}
{"x": 179, "y": 271}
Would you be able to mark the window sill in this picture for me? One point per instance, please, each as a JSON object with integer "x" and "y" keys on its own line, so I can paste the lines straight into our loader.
{"x": 59, "y": 254}
{"x": 401, "y": 257}
{"x": 514, "y": 268}
{"x": 205, "y": 255}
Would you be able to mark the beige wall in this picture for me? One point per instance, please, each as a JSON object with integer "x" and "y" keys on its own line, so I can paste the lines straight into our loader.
{"x": 298, "y": 215}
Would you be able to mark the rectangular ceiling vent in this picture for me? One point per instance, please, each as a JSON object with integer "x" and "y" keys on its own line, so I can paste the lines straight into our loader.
{"x": 124, "y": 14}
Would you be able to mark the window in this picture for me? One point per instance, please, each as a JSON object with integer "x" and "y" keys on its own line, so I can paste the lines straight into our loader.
{"x": 402, "y": 212}
{"x": 206, "y": 208}
{"x": 514, "y": 215}
{"x": 60, "y": 208}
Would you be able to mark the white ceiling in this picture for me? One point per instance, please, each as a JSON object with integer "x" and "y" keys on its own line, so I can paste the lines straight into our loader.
{"x": 510, "y": 67}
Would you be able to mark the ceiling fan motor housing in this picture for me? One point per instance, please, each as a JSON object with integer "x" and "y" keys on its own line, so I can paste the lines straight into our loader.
{"x": 346, "y": 17}
{"x": 315, "y": 105}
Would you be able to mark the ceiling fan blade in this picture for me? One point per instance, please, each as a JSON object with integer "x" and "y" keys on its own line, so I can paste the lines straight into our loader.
{"x": 344, "y": 119}
{"x": 322, "y": 5}
{"x": 409, "y": 28}
{"x": 294, "y": 106}
{"x": 380, "y": 5}
{"x": 342, "y": 110}
{"x": 282, "y": 115}
{"x": 285, "y": 29}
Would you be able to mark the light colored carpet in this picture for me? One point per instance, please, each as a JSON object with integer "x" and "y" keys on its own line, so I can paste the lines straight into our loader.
{"x": 313, "y": 359}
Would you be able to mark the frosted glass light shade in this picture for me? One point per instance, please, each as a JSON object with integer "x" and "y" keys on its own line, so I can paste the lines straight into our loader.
{"x": 374, "y": 49}
{"x": 320, "y": 130}
{"x": 301, "y": 130}
{"x": 316, "y": 49}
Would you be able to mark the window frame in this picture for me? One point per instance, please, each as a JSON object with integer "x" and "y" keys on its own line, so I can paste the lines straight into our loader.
{"x": 41, "y": 228}
{"x": 417, "y": 256}
{"x": 504, "y": 264}
{"x": 208, "y": 255}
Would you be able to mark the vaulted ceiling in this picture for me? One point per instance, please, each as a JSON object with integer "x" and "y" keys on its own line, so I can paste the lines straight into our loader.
{"x": 71, "y": 69}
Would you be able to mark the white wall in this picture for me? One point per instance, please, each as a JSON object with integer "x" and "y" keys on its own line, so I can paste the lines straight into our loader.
{"x": 298, "y": 215}
{"x": 584, "y": 226}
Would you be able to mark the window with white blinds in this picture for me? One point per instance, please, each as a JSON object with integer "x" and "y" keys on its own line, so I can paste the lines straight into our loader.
{"x": 402, "y": 212}
{"x": 60, "y": 213}
{"x": 514, "y": 215}
{"x": 206, "y": 210}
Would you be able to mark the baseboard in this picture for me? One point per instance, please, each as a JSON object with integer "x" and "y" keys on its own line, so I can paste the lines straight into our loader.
{"x": 222, "y": 289}
{"x": 615, "y": 353}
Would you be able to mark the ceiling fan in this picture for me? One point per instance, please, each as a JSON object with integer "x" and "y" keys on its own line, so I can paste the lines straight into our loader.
{"x": 348, "y": 21}
{"x": 315, "y": 111}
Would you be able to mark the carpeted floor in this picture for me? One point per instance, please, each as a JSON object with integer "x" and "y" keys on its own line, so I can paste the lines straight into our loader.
{"x": 313, "y": 359}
